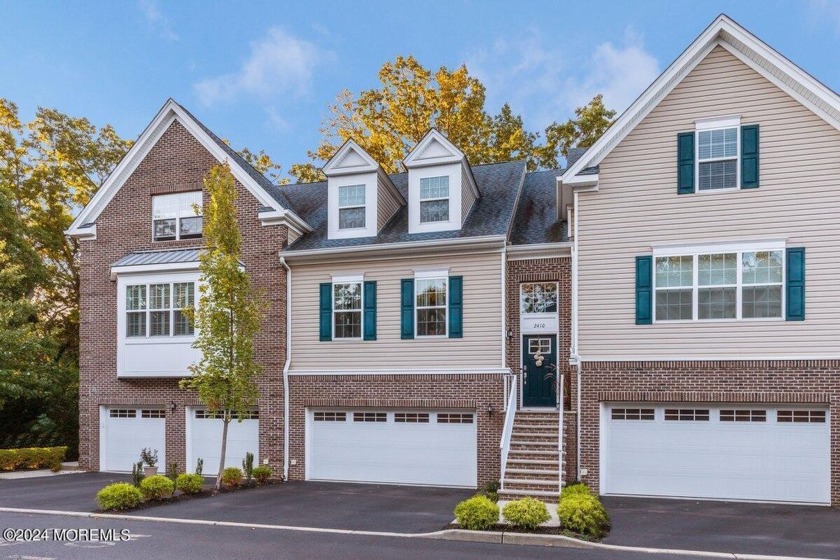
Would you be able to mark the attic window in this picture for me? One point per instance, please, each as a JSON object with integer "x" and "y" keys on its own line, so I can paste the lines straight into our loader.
{"x": 351, "y": 207}
{"x": 434, "y": 199}
{"x": 177, "y": 216}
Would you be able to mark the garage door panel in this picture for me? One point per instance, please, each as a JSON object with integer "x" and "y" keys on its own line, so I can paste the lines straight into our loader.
{"x": 204, "y": 440}
{"x": 742, "y": 460}
{"x": 424, "y": 453}
{"x": 125, "y": 431}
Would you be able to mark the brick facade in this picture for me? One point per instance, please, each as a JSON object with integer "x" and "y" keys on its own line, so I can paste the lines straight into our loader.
{"x": 177, "y": 163}
{"x": 547, "y": 270}
{"x": 471, "y": 392}
{"x": 811, "y": 381}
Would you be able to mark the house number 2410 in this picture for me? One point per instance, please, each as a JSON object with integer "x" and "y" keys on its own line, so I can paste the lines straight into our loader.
{"x": 539, "y": 326}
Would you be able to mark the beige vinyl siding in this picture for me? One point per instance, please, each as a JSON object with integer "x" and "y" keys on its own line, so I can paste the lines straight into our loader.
{"x": 637, "y": 206}
{"x": 481, "y": 345}
{"x": 387, "y": 201}
{"x": 467, "y": 196}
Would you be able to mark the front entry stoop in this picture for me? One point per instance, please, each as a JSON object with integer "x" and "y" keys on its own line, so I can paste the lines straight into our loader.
{"x": 534, "y": 464}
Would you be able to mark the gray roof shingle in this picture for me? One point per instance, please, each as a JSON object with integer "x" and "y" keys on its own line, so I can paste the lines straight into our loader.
{"x": 536, "y": 215}
{"x": 498, "y": 183}
{"x": 159, "y": 257}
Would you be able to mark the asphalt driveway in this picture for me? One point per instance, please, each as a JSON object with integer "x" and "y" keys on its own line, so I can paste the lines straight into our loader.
{"x": 359, "y": 507}
{"x": 64, "y": 492}
{"x": 331, "y": 505}
{"x": 770, "y": 529}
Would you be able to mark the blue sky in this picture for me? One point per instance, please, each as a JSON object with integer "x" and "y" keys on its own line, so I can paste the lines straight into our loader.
{"x": 262, "y": 75}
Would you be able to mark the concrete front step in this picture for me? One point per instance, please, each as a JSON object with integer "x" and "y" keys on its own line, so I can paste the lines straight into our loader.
{"x": 516, "y": 454}
{"x": 536, "y": 482}
{"x": 544, "y": 496}
{"x": 521, "y": 434}
{"x": 532, "y": 474}
{"x": 534, "y": 463}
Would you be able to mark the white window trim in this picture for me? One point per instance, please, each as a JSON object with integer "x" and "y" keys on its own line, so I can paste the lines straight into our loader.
{"x": 370, "y": 182}
{"x": 429, "y": 275}
{"x": 351, "y": 207}
{"x": 455, "y": 172}
{"x": 447, "y": 198}
{"x": 148, "y": 311}
{"x": 695, "y": 253}
{"x": 178, "y": 217}
{"x": 717, "y": 123}
{"x": 349, "y": 280}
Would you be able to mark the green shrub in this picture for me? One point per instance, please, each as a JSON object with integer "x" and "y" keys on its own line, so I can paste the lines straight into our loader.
{"x": 527, "y": 513}
{"x": 137, "y": 474}
{"x": 248, "y": 466}
{"x": 262, "y": 473}
{"x": 32, "y": 458}
{"x": 583, "y": 513}
{"x": 172, "y": 471}
{"x": 575, "y": 488}
{"x": 157, "y": 487}
{"x": 118, "y": 496}
{"x": 477, "y": 513}
{"x": 189, "y": 483}
{"x": 231, "y": 477}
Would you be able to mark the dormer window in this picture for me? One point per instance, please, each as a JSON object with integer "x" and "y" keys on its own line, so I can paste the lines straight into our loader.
{"x": 351, "y": 207}
{"x": 177, "y": 216}
{"x": 434, "y": 199}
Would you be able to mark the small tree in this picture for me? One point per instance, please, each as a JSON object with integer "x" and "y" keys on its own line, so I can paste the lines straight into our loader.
{"x": 228, "y": 315}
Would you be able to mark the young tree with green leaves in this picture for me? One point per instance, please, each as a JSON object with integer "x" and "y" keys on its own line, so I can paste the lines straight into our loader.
{"x": 228, "y": 315}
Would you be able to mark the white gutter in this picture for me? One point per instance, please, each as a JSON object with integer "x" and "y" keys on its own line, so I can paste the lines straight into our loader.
{"x": 286, "y": 369}
{"x": 409, "y": 246}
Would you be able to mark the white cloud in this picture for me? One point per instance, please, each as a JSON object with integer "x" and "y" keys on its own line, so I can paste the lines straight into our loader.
{"x": 546, "y": 84}
{"x": 156, "y": 19}
{"x": 278, "y": 63}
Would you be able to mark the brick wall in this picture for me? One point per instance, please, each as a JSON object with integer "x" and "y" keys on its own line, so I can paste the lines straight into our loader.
{"x": 809, "y": 381}
{"x": 176, "y": 163}
{"x": 472, "y": 392}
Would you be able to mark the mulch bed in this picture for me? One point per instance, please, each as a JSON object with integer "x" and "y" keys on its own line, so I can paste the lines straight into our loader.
{"x": 182, "y": 497}
{"x": 505, "y": 528}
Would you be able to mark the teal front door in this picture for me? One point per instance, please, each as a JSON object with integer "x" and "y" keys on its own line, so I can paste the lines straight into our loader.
{"x": 539, "y": 368}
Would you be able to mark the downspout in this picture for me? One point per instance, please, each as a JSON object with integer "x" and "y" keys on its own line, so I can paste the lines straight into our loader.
{"x": 286, "y": 368}
{"x": 575, "y": 356}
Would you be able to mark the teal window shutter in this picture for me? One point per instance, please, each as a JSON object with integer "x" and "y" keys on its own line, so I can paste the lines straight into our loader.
{"x": 685, "y": 163}
{"x": 749, "y": 157}
{"x": 456, "y": 307}
{"x": 326, "y": 311}
{"x": 407, "y": 308}
{"x": 644, "y": 290}
{"x": 370, "y": 311}
{"x": 795, "y": 286}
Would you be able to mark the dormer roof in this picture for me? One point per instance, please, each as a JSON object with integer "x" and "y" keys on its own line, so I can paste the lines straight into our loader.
{"x": 436, "y": 149}
{"x": 350, "y": 159}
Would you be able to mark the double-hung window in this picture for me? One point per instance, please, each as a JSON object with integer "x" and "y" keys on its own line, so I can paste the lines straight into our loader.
{"x": 434, "y": 199}
{"x": 157, "y": 310}
{"x": 351, "y": 207}
{"x": 177, "y": 216}
{"x": 719, "y": 285}
{"x": 717, "y": 159}
{"x": 347, "y": 310}
{"x": 431, "y": 306}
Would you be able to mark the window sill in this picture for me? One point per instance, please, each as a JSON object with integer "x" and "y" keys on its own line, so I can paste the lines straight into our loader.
{"x": 180, "y": 339}
{"x": 743, "y": 320}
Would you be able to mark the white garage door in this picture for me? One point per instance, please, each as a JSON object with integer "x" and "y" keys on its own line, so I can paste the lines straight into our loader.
{"x": 125, "y": 431}
{"x": 204, "y": 440}
{"x": 395, "y": 447}
{"x": 730, "y": 452}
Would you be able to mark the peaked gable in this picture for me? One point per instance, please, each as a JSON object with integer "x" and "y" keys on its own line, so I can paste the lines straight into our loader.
{"x": 433, "y": 149}
{"x": 350, "y": 159}
{"x": 725, "y": 33}
{"x": 84, "y": 224}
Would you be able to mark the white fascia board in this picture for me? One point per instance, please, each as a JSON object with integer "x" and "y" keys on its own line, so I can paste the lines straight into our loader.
{"x": 170, "y": 112}
{"x": 331, "y": 169}
{"x": 582, "y": 181}
{"x": 284, "y": 217}
{"x": 744, "y": 45}
{"x": 153, "y": 268}
{"x": 433, "y": 135}
{"x": 389, "y": 249}
{"x": 539, "y": 251}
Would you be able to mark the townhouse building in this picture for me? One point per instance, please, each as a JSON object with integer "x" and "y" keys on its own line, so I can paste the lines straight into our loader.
{"x": 643, "y": 320}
